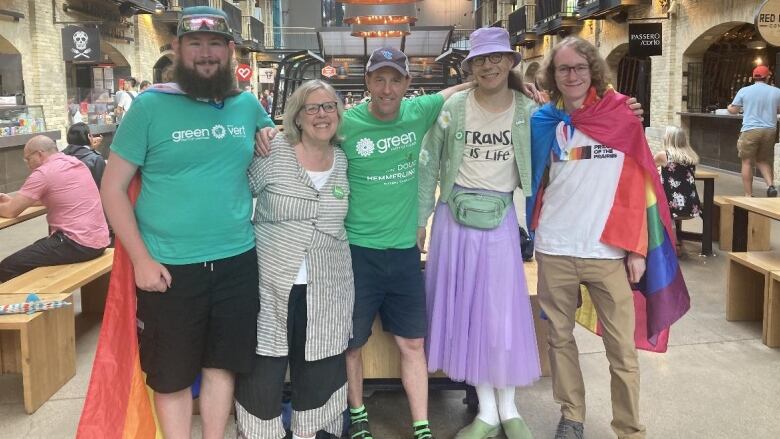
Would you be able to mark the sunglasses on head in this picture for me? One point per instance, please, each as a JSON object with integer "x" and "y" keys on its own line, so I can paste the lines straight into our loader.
{"x": 194, "y": 23}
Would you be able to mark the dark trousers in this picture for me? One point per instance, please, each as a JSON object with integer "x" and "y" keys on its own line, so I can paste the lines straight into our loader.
{"x": 56, "y": 249}
{"x": 313, "y": 382}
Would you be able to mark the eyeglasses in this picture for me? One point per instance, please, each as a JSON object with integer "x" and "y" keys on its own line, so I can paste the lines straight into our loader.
{"x": 194, "y": 23}
{"x": 579, "y": 69}
{"x": 494, "y": 58}
{"x": 312, "y": 109}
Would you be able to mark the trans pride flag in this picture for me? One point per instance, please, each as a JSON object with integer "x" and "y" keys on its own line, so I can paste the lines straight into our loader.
{"x": 638, "y": 221}
{"x": 118, "y": 403}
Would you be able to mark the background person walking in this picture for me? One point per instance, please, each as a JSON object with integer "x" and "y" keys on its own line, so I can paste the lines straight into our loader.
{"x": 760, "y": 104}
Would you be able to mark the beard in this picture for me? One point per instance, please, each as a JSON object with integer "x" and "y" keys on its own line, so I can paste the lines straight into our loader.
{"x": 219, "y": 86}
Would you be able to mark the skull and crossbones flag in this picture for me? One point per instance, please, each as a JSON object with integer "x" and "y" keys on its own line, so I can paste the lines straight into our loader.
{"x": 80, "y": 44}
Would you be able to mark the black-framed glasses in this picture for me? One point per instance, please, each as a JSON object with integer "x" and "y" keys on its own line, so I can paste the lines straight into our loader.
{"x": 494, "y": 58}
{"x": 312, "y": 109}
{"x": 579, "y": 69}
{"x": 194, "y": 23}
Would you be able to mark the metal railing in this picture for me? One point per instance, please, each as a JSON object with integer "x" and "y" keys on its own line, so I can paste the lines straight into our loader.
{"x": 189, "y": 3}
{"x": 460, "y": 39}
{"x": 291, "y": 38}
{"x": 233, "y": 13}
{"x": 547, "y": 9}
{"x": 522, "y": 20}
{"x": 253, "y": 32}
{"x": 256, "y": 30}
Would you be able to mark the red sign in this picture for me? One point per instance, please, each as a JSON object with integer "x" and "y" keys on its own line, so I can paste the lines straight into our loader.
{"x": 243, "y": 72}
{"x": 328, "y": 71}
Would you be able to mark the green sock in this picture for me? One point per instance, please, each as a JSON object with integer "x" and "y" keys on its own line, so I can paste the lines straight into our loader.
{"x": 422, "y": 430}
{"x": 358, "y": 415}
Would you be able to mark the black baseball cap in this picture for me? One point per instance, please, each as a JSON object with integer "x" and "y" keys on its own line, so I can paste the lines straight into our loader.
{"x": 388, "y": 57}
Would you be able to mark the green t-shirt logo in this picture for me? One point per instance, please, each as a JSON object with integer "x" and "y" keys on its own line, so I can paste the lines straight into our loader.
{"x": 365, "y": 147}
{"x": 218, "y": 131}
{"x": 382, "y": 172}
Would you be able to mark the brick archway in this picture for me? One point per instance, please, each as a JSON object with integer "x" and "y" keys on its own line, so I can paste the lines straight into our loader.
{"x": 11, "y": 74}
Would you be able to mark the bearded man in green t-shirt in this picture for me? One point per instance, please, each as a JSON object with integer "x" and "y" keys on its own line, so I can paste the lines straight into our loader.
{"x": 189, "y": 234}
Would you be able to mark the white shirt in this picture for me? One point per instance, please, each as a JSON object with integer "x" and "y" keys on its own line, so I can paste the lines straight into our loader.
{"x": 578, "y": 198}
{"x": 488, "y": 153}
{"x": 319, "y": 178}
{"x": 124, "y": 99}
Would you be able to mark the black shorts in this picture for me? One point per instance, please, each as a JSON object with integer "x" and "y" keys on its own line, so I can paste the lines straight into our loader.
{"x": 206, "y": 319}
{"x": 389, "y": 282}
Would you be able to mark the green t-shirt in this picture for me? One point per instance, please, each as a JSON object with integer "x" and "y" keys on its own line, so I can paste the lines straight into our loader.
{"x": 195, "y": 203}
{"x": 382, "y": 172}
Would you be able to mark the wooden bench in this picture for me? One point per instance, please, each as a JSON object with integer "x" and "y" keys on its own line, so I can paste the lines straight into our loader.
{"x": 771, "y": 325}
{"x": 749, "y": 287}
{"x": 91, "y": 276}
{"x": 41, "y": 346}
{"x": 758, "y": 227}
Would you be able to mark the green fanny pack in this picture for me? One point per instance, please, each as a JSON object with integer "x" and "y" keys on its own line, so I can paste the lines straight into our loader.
{"x": 479, "y": 210}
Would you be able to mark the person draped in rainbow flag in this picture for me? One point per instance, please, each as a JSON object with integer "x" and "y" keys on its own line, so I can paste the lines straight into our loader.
{"x": 599, "y": 215}
{"x": 183, "y": 298}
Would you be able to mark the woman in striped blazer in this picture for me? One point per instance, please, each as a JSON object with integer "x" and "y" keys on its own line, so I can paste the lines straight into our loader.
{"x": 306, "y": 285}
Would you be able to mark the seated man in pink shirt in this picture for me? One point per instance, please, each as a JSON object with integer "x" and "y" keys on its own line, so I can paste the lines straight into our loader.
{"x": 77, "y": 226}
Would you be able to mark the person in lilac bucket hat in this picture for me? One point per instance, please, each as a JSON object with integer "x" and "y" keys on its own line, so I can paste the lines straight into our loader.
{"x": 480, "y": 323}
{"x": 489, "y": 40}
{"x": 481, "y": 328}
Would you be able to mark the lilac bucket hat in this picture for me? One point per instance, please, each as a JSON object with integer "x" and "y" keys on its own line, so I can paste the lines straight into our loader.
{"x": 486, "y": 40}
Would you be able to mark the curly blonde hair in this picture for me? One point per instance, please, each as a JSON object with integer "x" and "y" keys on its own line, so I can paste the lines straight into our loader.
{"x": 599, "y": 76}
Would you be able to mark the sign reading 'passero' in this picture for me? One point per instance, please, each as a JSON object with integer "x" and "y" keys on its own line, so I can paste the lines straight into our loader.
{"x": 768, "y": 21}
{"x": 645, "y": 39}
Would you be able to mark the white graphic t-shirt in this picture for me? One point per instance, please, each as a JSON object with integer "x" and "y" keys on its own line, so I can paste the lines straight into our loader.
{"x": 488, "y": 156}
{"x": 578, "y": 198}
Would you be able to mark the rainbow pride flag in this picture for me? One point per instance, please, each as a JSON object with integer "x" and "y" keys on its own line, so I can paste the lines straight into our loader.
{"x": 118, "y": 403}
{"x": 636, "y": 223}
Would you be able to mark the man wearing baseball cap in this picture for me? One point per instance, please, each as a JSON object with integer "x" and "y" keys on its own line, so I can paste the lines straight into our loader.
{"x": 760, "y": 104}
{"x": 382, "y": 141}
{"x": 189, "y": 235}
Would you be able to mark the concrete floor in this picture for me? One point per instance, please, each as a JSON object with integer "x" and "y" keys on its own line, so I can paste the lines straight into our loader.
{"x": 717, "y": 379}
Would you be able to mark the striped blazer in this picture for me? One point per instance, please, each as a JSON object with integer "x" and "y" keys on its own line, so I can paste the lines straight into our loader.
{"x": 292, "y": 220}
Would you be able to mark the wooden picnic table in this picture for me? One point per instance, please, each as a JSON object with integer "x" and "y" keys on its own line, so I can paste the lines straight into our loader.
{"x": 767, "y": 207}
{"x": 29, "y": 213}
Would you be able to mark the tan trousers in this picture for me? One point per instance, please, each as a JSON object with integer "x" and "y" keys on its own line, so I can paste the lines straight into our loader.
{"x": 607, "y": 282}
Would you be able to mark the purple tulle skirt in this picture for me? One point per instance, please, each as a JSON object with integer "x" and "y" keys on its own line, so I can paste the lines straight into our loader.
{"x": 480, "y": 325}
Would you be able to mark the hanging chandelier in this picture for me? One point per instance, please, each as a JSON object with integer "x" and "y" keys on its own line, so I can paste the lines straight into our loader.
{"x": 380, "y": 18}
{"x": 380, "y": 30}
{"x": 378, "y": 2}
{"x": 405, "y": 13}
